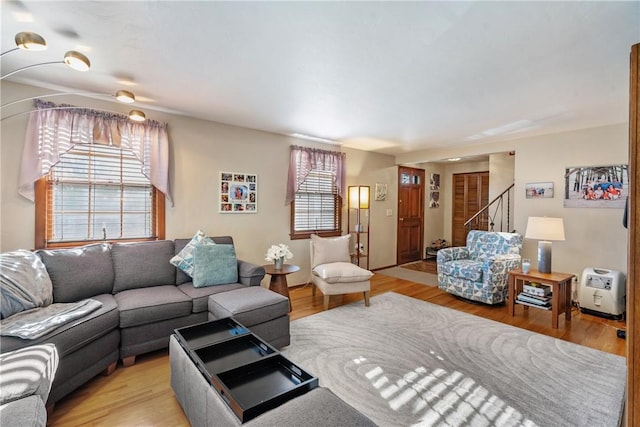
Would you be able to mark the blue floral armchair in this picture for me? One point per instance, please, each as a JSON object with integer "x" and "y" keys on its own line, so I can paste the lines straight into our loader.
{"x": 480, "y": 270}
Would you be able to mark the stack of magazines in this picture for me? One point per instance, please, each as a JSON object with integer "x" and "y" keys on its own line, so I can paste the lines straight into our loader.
{"x": 535, "y": 295}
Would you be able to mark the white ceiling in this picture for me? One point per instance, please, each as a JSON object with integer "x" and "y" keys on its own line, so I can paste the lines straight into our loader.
{"x": 392, "y": 77}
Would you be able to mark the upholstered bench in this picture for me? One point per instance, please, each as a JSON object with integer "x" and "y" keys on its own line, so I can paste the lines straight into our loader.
{"x": 264, "y": 312}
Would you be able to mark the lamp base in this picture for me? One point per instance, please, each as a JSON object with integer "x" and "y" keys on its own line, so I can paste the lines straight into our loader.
{"x": 544, "y": 256}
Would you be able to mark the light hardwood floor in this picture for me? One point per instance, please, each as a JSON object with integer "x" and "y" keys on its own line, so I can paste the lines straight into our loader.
{"x": 141, "y": 395}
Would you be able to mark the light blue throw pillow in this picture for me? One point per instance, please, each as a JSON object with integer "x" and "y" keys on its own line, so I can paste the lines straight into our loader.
{"x": 214, "y": 265}
{"x": 184, "y": 259}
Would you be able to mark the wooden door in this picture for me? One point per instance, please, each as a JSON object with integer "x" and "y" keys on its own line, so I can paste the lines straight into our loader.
{"x": 470, "y": 194}
{"x": 410, "y": 214}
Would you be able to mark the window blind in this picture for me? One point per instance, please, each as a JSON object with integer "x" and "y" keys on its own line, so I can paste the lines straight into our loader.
{"x": 316, "y": 204}
{"x": 99, "y": 192}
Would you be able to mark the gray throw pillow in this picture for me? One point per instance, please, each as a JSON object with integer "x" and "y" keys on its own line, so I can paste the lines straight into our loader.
{"x": 214, "y": 265}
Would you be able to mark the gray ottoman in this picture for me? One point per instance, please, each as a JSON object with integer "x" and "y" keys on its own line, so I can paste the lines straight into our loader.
{"x": 204, "y": 408}
{"x": 264, "y": 312}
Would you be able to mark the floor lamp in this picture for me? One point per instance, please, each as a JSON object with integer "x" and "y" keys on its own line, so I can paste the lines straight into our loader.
{"x": 545, "y": 230}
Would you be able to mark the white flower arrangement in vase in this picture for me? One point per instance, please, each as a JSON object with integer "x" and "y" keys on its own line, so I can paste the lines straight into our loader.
{"x": 278, "y": 253}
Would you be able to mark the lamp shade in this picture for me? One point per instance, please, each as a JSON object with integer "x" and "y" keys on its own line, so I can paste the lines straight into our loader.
{"x": 545, "y": 228}
{"x": 359, "y": 197}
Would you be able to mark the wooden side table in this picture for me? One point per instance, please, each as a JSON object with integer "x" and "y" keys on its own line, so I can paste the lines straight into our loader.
{"x": 278, "y": 281}
{"x": 560, "y": 287}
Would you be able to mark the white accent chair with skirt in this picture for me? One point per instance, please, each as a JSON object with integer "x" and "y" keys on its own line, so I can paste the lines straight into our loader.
{"x": 332, "y": 271}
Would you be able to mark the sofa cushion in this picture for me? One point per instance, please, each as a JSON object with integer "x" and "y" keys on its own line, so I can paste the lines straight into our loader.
{"x": 463, "y": 268}
{"x": 249, "y": 306}
{"x": 330, "y": 249}
{"x": 214, "y": 265}
{"x": 184, "y": 259}
{"x": 24, "y": 283}
{"x": 79, "y": 273}
{"x": 200, "y": 296}
{"x": 181, "y": 276}
{"x": 27, "y": 371}
{"x": 76, "y": 334}
{"x": 341, "y": 272}
{"x": 148, "y": 305}
{"x": 142, "y": 264}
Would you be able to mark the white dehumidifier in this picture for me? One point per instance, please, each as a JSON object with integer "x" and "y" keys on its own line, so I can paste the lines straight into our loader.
{"x": 602, "y": 292}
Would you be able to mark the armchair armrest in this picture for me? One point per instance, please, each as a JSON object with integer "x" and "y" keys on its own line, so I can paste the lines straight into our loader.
{"x": 496, "y": 269}
{"x": 452, "y": 254}
{"x": 250, "y": 274}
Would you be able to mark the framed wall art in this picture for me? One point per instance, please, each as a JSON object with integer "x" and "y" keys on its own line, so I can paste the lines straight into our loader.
{"x": 381, "y": 192}
{"x": 596, "y": 186}
{"x": 539, "y": 190}
{"x": 238, "y": 193}
{"x": 434, "y": 199}
{"x": 434, "y": 181}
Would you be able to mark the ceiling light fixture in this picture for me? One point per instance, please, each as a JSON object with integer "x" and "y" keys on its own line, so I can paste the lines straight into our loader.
{"x": 454, "y": 159}
{"x": 73, "y": 59}
{"x": 125, "y": 96}
{"x": 137, "y": 116}
{"x": 77, "y": 60}
{"x": 28, "y": 41}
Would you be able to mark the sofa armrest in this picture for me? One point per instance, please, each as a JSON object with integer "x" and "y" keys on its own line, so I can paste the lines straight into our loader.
{"x": 452, "y": 254}
{"x": 27, "y": 371}
{"x": 250, "y": 274}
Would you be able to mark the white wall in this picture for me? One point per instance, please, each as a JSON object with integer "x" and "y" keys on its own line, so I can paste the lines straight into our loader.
{"x": 595, "y": 237}
{"x": 501, "y": 176}
{"x": 200, "y": 150}
{"x": 433, "y": 217}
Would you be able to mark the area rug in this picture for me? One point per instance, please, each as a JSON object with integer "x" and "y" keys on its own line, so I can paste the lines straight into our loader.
{"x": 412, "y": 275}
{"x": 405, "y": 362}
{"x": 426, "y": 266}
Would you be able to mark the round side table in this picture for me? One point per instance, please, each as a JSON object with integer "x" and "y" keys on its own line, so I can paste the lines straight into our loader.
{"x": 278, "y": 281}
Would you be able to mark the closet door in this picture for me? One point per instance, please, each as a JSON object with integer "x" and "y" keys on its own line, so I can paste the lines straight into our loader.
{"x": 470, "y": 194}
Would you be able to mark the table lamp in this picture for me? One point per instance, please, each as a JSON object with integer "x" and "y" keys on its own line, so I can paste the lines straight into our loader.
{"x": 544, "y": 229}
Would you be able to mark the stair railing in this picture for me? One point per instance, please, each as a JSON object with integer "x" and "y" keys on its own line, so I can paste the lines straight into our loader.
{"x": 485, "y": 220}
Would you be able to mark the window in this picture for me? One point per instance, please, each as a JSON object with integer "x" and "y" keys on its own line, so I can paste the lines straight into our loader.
{"x": 94, "y": 193}
{"x": 316, "y": 207}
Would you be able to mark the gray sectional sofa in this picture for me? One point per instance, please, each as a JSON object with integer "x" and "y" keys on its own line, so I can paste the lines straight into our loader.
{"x": 144, "y": 298}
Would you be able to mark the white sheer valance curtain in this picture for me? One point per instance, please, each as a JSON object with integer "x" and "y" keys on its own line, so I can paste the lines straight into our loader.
{"x": 303, "y": 160}
{"x": 54, "y": 129}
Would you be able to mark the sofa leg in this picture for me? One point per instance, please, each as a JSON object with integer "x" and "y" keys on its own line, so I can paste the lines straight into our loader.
{"x": 366, "y": 298}
{"x": 128, "y": 361}
{"x": 109, "y": 369}
{"x": 50, "y": 408}
{"x": 326, "y": 302}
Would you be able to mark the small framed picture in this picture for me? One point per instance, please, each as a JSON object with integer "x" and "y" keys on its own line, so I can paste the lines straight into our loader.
{"x": 434, "y": 199}
{"x": 238, "y": 193}
{"x": 539, "y": 190}
{"x": 381, "y": 192}
{"x": 434, "y": 181}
